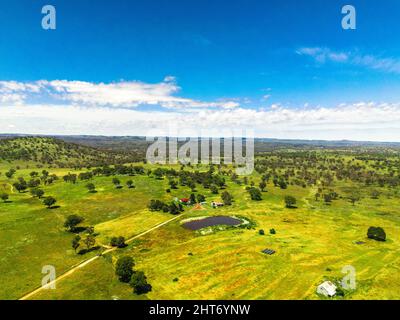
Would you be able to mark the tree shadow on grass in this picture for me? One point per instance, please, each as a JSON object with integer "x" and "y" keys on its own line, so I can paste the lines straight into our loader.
{"x": 53, "y": 207}
{"x": 78, "y": 229}
{"x": 84, "y": 251}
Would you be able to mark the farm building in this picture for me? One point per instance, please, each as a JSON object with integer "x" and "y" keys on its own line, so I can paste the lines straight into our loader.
{"x": 184, "y": 200}
{"x": 216, "y": 204}
{"x": 327, "y": 289}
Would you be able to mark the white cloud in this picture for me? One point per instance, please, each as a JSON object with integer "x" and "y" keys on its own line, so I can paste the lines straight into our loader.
{"x": 123, "y": 94}
{"x": 78, "y": 107}
{"x": 322, "y": 55}
{"x": 12, "y": 98}
{"x": 361, "y": 121}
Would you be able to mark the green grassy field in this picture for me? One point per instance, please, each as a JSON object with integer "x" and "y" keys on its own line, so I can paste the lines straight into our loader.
{"x": 310, "y": 241}
{"x": 313, "y": 242}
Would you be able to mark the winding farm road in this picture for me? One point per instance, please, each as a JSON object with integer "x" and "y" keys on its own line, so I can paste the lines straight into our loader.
{"x": 86, "y": 262}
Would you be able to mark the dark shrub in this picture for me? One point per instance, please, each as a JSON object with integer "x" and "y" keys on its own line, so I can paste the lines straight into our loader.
{"x": 118, "y": 242}
{"x": 376, "y": 233}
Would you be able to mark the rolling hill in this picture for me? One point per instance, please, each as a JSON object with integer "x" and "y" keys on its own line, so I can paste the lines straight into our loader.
{"x": 56, "y": 152}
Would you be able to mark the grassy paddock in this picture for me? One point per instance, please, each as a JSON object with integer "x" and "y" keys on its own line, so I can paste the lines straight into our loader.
{"x": 313, "y": 242}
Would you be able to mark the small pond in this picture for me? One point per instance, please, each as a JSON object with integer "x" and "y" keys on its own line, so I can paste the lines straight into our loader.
{"x": 211, "y": 221}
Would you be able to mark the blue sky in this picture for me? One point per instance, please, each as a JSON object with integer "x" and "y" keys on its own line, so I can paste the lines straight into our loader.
{"x": 243, "y": 57}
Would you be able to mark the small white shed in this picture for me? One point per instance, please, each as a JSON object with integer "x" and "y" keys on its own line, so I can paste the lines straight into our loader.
{"x": 327, "y": 289}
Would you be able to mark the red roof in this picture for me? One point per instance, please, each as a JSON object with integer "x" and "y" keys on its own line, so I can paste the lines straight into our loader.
{"x": 185, "y": 200}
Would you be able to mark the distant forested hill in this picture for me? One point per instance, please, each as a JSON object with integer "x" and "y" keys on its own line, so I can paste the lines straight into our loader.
{"x": 52, "y": 151}
{"x": 83, "y": 150}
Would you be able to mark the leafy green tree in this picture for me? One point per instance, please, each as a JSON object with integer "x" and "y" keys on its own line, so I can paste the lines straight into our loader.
{"x": 354, "y": 197}
{"x": 90, "y": 230}
{"x": 72, "y": 221}
{"x": 34, "y": 174}
{"x": 173, "y": 184}
{"x": 4, "y": 196}
{"x": 174, "y": 208}
{"x": 124, "y": 268}
{"x": 20, "y": 185}
{"x": 290, "y": 201}
{"x": 91, "y": 187}
{"x": 118, "y": 242}
{"x": 156, "y": 205}
{"x": 262, "y": 185}
{"x": 76, "y": 242}
{"x": 49, "y": 202}
{"x": 130, "y": 184}
{"x": 327, "y": 198}
{"x": 227, "y": 198}
{"x": 282, "y": 184}
{"x": 10, "y": 173}
{"x": 255, "y": 194}
{"x": 201, "y": 198}
{"x": 33, "y": 183}
{"x": 89, "y": 241}
{"x": 116, "y": 182}
{"x": 192, "y": 198}
{"x": 68, "y": 178}
{"x": 375, "y": 194}
{"x": 214, "y": 189}
{"x": 158, "y": 174}
{"x": 139, "y": 283}
{"x": 37, "y": 192}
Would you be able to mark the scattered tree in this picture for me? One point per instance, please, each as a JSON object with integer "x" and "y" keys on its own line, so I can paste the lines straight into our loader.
{"x": 91, "y": 187}
{"x": 354, "y": 197}
{"x": 255, "y": 194}
{"x": 37, "y": 193}
{"x": 89, "y": 241}
{"x": 72, "y": 221}
{"x": 290, "y": 201}
{"x": 76, "y": 242}
{"x": 118, "y": 242}
{"x": 10, "y": 173}
{"x": 124, "y": 268}
{"x": 375, "y": 194}
{"x": 139, "y": 283}
{"x": 262, "y": 185}
{"x": 227, "y": 198}
{"x": 201, "y": 198}
{"x": 4, "y": 196}
{"x": 173, "y": 184}
{"x": 116, "y": 182}
{"x": 214, "y": 189}
{"x": 20, "y": 185}
{"x": 49, "y": 202}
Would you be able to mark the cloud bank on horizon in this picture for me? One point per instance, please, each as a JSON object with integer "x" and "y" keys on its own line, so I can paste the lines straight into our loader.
{"x": 136, "y": 108}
